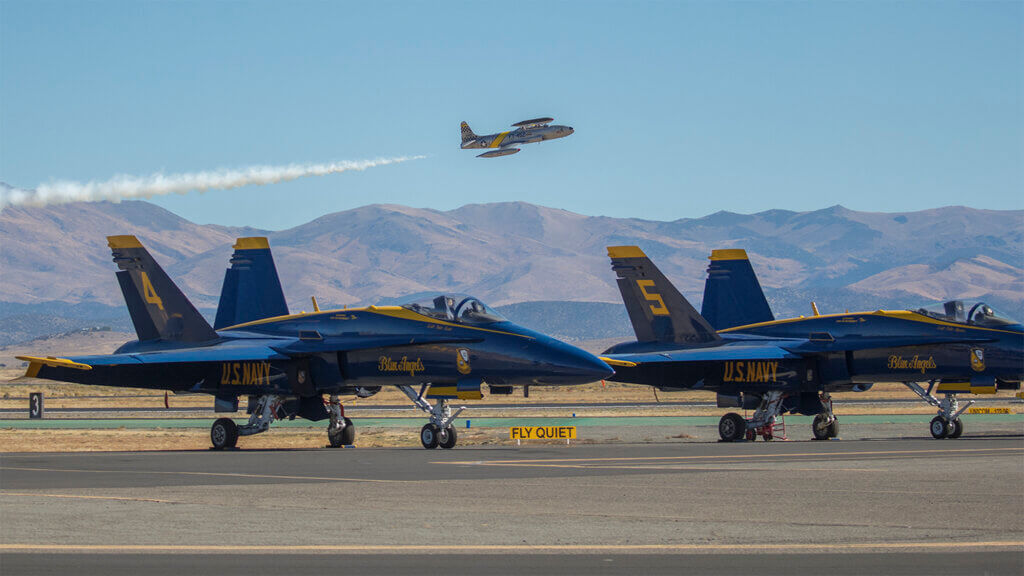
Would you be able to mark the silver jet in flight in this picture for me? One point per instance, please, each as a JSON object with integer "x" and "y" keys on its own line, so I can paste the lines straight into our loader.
{"x": 505, "y": 143}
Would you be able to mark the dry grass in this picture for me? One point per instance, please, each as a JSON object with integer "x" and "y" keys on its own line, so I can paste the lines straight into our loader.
{"x": 199, "y": 439}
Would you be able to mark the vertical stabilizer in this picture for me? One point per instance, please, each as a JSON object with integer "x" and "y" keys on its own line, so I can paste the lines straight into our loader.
{"x": 658, "y": 311}
{"x": 158, "y": 308}
{"x": 732, "y": 294}
{"x": 467, "y": 133}
{"x": 252, "y": 289}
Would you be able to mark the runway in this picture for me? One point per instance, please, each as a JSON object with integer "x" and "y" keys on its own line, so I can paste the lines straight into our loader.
{"x": 914, "y": 506}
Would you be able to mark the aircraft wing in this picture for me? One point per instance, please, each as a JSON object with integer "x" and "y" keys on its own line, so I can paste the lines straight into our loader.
{"x": 243, "y": 351}
{"x": 711, "y": 354}
{"x": 821, "y": 343}
{"x": 534, "y": 122}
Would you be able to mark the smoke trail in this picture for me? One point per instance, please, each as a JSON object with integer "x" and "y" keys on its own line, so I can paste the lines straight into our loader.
{"x": 123, "y": 186}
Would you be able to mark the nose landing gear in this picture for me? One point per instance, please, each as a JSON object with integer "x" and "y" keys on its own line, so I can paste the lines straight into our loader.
{"x": 947, "y": 424}
{"x": 439, "y": 432}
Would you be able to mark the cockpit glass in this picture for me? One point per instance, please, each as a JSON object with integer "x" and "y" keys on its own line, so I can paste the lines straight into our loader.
{"x": 966, "y": 312}
{"x": 456, "y": 308}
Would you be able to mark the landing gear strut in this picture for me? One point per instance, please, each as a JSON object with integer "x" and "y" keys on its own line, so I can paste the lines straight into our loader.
{"x": 825, "y": 425}
{"x": 224, "y": 433}
{"x": 733, "y": 427}
{"x": 947, "y": 424}
{"x": 340, "y": 430}
{"x": 439, "y": 432}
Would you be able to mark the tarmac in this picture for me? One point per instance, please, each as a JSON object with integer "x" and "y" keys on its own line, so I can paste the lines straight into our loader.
{"x": 849, "y": 506}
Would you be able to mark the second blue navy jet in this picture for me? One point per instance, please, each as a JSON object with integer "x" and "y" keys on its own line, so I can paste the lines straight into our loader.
{"x": 448, "y": 347}
{"x": 738, "y": 350}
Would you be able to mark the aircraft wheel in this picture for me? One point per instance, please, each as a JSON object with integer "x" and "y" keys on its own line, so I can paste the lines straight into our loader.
{"x": 429, "y": 436}
{"x": 732, "y": 427}
{"x": 344, "y": 437}
{"x": 448, "y": 437}
{"x": 958, "y": 429}
{"x": 939, "y": 427}
{"x": 833, "y": 428}
{"x": 822, "y": 430}
{"x": 224, "y": 433}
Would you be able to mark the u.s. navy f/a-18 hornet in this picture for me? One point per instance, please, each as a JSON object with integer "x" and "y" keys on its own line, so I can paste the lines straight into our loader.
{"x": 286, "y": 363}
{"x": 526, "y": 132}
{"x": 737, "y": 349}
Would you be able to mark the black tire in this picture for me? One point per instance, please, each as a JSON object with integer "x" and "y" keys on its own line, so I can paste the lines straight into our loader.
{"x": 821, "y": 430}
{"x": 732, "y": 427}
{"x": 448, "y": 438}
{"x": 224, "y": 434}
{"x": 833, "y": 428}
{"x": 429, "y": 436}
{"x": 939, "y": 427}
{"x": 958, "y": 429}
{"x": 344, "y": 437}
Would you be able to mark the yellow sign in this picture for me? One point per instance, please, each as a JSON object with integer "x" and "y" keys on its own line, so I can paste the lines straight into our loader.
{"x": 988, "y": 411}
{"x": 542, "y": 433}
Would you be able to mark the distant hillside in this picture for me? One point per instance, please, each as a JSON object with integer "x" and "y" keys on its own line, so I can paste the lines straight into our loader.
{"x": 508, "y": 253}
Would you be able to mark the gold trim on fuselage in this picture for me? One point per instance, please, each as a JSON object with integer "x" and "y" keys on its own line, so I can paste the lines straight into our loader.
{"x": 389, "y": 311}
{"x": 899, "y": 314}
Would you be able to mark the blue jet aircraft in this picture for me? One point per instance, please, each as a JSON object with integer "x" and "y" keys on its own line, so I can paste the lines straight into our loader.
{"x": 286, "y": 363}
{"x": 738, "y": 350}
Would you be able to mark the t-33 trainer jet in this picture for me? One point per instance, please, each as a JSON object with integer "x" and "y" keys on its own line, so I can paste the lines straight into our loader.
{"x": 286, "y": 364}
{"x": 739, "y": 351}
{"x": 505, "y": 143}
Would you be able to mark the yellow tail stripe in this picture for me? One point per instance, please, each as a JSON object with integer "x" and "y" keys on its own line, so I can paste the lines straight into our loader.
{"x": 497, "y": 141}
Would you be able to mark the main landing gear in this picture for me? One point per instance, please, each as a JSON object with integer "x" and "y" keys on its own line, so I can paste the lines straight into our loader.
{"x": 825, "y": 424}
{"x": 224, "y": 433}
{"x": 947, "y": 424}
{"x": 340, "y": 430}
{"x": 733, "y": 427}
{"x": 439, "y": 431}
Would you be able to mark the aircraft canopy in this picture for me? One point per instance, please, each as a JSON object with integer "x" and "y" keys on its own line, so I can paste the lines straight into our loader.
{"x": 961, "y": 312}
{"x": 458, "y": 308}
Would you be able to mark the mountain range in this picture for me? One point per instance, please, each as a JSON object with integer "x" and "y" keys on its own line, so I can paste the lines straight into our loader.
{"x": 54, "y": 262}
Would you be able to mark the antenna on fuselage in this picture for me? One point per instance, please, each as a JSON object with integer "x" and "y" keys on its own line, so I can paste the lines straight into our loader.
{"x": 815, "y": 308}
{"x": 316, "y": 307}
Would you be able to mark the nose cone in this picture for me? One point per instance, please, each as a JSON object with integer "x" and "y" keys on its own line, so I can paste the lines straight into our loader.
{"x": 566, "y": 364}
{"x": 568, "y": 130}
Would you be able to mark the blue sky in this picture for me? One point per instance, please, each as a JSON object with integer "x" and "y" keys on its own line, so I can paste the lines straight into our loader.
{"x": 681, "y": 109}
